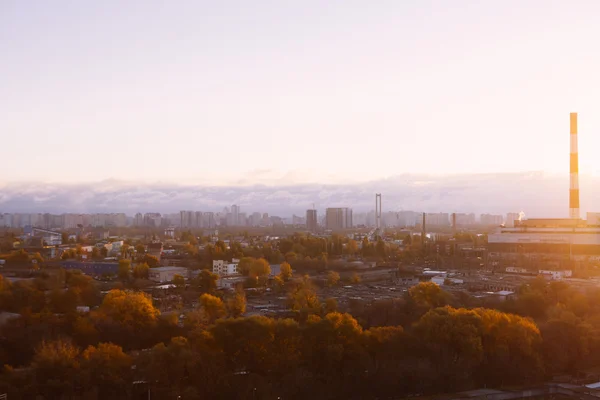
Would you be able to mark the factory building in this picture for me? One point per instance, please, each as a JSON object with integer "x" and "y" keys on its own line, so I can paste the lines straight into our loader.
{"x": 537, "y": 244}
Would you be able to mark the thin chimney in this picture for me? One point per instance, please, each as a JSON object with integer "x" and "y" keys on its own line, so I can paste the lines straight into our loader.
{"x": 574, "y": 179}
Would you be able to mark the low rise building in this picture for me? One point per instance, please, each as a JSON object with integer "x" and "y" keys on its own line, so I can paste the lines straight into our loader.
{"x": 556, "y": 275}
{"x": 166, "y": 274}
{"x": 224, "y": 268}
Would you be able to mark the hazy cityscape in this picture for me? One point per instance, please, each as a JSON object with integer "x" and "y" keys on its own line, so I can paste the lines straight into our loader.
{"x": 299, "y": 200}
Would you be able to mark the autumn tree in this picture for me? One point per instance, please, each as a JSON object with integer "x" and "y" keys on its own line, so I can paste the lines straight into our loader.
{"x": 56, "y": 368}
{"x": 260, "y": 268}
{"x": 355, "y": 278}
{"x": 332, "y": 278}
{"x": 236, "y": 304}
{"x": 151, "y": 260}
{"x": 124, "y": 269}
{"x": 285, "y": 271}
{"x": 179, "y": 281}
{"x": 245, "y": 265}
{"x": 303, "y": 297}
{"x": 107, "y": 368}
{"x": 126, "y": 317}
{"x": 140, "y": 271}
{"x": 212, "y": 307}
{"x": 206, "y": 281}
{"x": 429, "y": 294}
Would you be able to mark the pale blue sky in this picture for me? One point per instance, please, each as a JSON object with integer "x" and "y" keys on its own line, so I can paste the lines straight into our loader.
{"x": 218, "y": 91}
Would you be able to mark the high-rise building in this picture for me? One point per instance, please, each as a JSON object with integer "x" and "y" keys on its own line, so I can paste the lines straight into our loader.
{"x": 235, "y": 215}
{"x": 209, "y": 221}
{"x": 186, "y": 219}
{"x": 311, "y": 220}
{"x": 198, "y": 219}
{"x": 510, "y": 219}
{"x": 442, "y": 219}
{"x": 338, "y": 218}
{"x": 491, "y": 219}
{"x": 461, "y": 219}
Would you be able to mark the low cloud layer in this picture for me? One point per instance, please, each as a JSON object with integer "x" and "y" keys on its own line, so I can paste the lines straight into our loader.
{"x": 536, "y": 193}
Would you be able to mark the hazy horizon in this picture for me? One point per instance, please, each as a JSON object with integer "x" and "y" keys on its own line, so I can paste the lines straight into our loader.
{"x": 538, "y": 194}
{"x": 337, "y": 92}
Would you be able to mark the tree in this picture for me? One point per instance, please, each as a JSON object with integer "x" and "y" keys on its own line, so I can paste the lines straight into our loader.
{"x": 151, "y": 260}
{"x": 124, "y": 269}
{"x": 179, "y": 281}
{"x": 352, "y": 247}
{"x": 140, "y": 271}
{"x": 429, "y": 294}
{"x": 331, "y": 305}
{"x": 285, "y": 271}
{"x": 103, "y": 252}
{"x": 206, "y": 281}
{"x": 124, "y": 250}
{"x": 303, "y": 296}
{"x": 332, "y": 278}
{"x": 96, "y": 253}
{"x": 108, "y": 369}
{"x": 140, "y": 250}
{"x": 355, "y": 278}
{"x": 260, "y": 268}
{"x": 278, "y": 282}
{"x": 126, "y": 317}
{"x": 244, "y": 265}
{"x": 236, "y": 305}
{"x": 212, "y": 307}
{"x": 56, "y": 368}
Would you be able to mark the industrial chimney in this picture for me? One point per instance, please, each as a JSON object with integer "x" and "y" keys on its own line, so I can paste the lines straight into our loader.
{"x": 574, "y": 179}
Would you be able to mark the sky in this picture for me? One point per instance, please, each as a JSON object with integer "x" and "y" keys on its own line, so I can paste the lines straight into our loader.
{"x": 240, "y": 92}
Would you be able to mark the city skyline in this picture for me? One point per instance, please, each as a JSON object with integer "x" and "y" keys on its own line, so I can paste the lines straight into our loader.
{"x": 362, "y": 93}
{"x": 537, "y": 194}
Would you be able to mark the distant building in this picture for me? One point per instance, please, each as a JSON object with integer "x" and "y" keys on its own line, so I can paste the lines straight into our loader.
{"x": 510, "y": 219}
{"x": 155, "y": 249}
{"x": 224, "y": 268}
{"x": 544, "y": 243}
{"x": 166, "y": 274}
{"x": 187, "y": 219}
{"x": 491, "y": 219}
{"x": 464, "y": 219}
{"x": 593, "y": 219}
{"x": 440, "y": 219}
{"x": 556, "y": 275}
{"x": 208, "y": 220}
{"x": 235, "y": 215}
{"x": 48, "y": 237}
{"x": 338, "y": 218}
{"x": 311, "y": 220}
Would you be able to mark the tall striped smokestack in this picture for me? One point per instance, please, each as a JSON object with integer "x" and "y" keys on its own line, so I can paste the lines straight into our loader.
{"x": 574, "y": 180}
